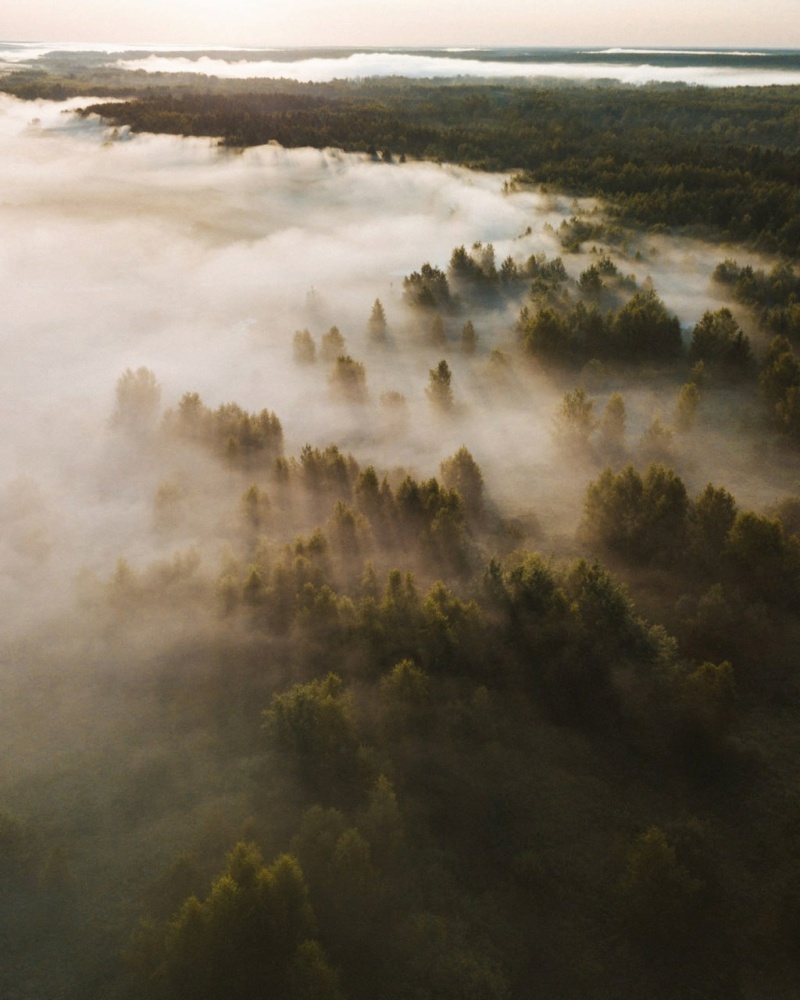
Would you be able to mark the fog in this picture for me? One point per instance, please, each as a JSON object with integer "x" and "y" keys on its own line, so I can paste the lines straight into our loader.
{"x": 123, "y": 252}
{"x": 417, "y": 66}
{"x": 633, "y": 66}
{"x": 200, "y": 263}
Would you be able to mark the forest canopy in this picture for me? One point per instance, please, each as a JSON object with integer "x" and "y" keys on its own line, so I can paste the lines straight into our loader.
{"x": 438, "y": 639}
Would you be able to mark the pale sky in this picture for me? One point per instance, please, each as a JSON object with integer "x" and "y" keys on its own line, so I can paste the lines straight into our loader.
{"x": 736, "y": 23}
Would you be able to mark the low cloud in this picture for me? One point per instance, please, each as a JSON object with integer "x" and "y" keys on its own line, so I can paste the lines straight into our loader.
{"x": 362, "y": 65}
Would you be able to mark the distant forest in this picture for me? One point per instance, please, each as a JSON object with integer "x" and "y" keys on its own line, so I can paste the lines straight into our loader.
{"x": 726, "y": 161}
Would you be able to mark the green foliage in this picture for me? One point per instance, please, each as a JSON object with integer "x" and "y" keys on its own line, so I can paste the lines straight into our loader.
{"x": 469, "y": 339}
{"x": 439, "y": 390}
{"x": 575, "y": 420}
{"x": 377, "y": 326}
{"x": 493, "y": 731}
{"x": 718, "y": 342}
{"x": 780, "y": 386}
{"x": 711, "y": 630}
{"x": 310, "y": 977}
{"x": 612, "y": 422}
{"x": 762, "y": 560}
{"x": 547, "y": 335}
{"x": 547, "y": 274}
{"x": 255, "y": 507}
{"x": 657, "y": 442}
{"x": 252, "y": 935}
{"x": 313, "y": 725}
{"x": 475, "y": 277}
{"x": 686, "y": 407}
{"x": 406, "y": 697}
{"x": 332, "y": 345}
{"x": 349, "y": 534}
{"x": 465, "y": 271}
{"x": 427, "y": 289}
{"x": 644, "y": 519}
{"x": 708, "y": 699}
{"x": 382, "y": 823}
{"x": 462, "y": 472}
{"x": 711, "y": 519}
{"x": 774, "y": 297}
{"x": 373, "y": 498}
{"x": 437, "y": 332}
{"x": 229, "y": 430}
{"x": 590, "y": 281}
{"x": 304, "y": 349}
{"x": 328, "y": 469}
{"x": 643, "y": 329}
{"x": 434, "y": 517}
{"x": 348, "y": 380}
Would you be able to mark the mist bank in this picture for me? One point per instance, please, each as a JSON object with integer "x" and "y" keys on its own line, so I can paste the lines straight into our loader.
{"x": 723, "y": 163}
{"x": 200, "y": 264}
{"x": 369, "y": 65}
{"x": 631, "y": 66}
{"x": 281, "y": 429}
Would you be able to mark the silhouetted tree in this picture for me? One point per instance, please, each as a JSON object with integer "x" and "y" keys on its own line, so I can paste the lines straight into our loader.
{"x": 463, "y": 473}
{"x": 612, "y": 422}
{"x": 349, "y": 380}
{"x": 575, "y": 420}
{"x": 686, "y": 408}
{"x": 718, "y": 341}
{"x": 377, "y": 326}
{"x": 138, "y": 399}
{"x": 304, "y": 349}
{"x": 314, "y": 726}
{"x": 439, "y": 390}
{"x": 643, "y": 519}
{"x": 332, "y": 345}
{"x": 469, "y": 339}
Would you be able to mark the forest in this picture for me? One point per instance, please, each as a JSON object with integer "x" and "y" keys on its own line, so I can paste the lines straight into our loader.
{"x": 725, "y": 160}
{"x": 483, "y": 686}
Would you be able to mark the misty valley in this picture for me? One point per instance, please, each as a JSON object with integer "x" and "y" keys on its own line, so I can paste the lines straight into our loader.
{"x": 400, "y": 564}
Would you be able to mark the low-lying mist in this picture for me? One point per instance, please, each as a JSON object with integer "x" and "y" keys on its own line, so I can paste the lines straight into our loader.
{"x": 428, "y": 67}
{"x": 628, "y": 66}
{"x": 171, "y": 266}
{"x": 199, "y": 264}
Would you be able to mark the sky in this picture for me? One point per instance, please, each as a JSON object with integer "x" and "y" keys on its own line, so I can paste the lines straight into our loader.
{"x": 406, "y": 22}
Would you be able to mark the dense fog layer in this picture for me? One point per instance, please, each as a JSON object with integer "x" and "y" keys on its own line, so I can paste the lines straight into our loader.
{"x": 153, "y": 266}
{"x": 377, "y": 64}
{"x": 632, "y": 66}
{"x": 199, "y": 264}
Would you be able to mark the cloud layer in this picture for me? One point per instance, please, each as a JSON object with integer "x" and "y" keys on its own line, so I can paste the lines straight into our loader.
{"x": 200, "y": 263}
{"x": 382, "y": 64}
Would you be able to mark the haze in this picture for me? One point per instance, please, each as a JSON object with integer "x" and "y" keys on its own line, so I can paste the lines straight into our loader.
{"x": 135, "y": 553}
{"x": 365, "y": 22}
{"x": 423, "y": 66}
{"x": 200, "y": 264}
